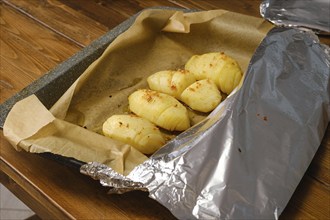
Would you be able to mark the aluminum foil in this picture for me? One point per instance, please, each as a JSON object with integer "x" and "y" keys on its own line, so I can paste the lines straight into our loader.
{"x": 312, "y": 14}
{"x": 246, "y": 159}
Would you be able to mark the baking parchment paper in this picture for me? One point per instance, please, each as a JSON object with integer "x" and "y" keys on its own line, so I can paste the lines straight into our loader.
{"x": 246, "y": 159}
{"x": 311, "y": 14}
{"x": 158, "y": 40}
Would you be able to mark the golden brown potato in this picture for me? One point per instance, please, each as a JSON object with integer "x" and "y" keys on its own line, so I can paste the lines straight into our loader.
{"x": 202, "y": 95}
{"x": 135, "y": 131}
{"x": 171, "y": 82}
{"x": 162, "y": 109}
{"x": 220, "y": 68}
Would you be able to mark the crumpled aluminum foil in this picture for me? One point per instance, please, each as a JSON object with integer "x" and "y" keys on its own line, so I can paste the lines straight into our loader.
{"x": 246, "y": 159}
{"x": 312, "y": 14}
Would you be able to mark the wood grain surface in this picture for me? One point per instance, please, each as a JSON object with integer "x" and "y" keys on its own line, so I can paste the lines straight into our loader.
{"x": 36, "y": 35}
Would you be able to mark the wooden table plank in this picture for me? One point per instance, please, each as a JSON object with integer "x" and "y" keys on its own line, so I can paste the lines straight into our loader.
{"x": 61, "y": 19}
{"x": 28, "y": 50}
{"x": 320, "y": 166}
{"x": 310, "y": 200}
{"x": 111, "y": 13}
{"x": 10, "y": 85}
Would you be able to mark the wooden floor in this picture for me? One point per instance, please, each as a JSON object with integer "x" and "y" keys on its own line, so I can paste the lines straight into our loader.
{"x": 36, "y": 35}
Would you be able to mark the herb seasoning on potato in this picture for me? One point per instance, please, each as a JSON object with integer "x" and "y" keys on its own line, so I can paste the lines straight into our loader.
{"x": 171, "y": 82}
{"x": 223, "y": 70}
{"x": 162, "y": 109}
{"x": 136, "y": 131}
{"x": 202, "y": 96}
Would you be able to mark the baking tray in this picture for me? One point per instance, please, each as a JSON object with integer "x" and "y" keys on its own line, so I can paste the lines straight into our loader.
{"x": 51, "y": 86}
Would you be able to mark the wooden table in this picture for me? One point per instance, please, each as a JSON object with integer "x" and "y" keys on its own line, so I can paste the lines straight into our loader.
{"x": 36, "y": 35}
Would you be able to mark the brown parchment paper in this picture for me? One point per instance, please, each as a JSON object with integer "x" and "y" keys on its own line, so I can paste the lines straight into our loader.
{"x": 158, "y": 40}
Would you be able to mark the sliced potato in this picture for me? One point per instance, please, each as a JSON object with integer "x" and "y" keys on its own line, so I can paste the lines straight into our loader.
{"x": 220, "y": 68}
{"x": 159, "y": 108}
{"x": 199, "y": 65}
{"x": 171, "y": 82}
{"x": 135, "y": 131}
{"x": 202, "y": 95}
